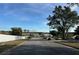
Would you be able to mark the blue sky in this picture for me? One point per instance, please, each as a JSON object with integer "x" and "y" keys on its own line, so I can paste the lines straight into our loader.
{"x": 27, "y": 16}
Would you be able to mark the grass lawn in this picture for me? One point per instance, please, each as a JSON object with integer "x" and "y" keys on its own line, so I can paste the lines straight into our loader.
{"x": 74, "y": 44}
{"x": 7, "y": 45}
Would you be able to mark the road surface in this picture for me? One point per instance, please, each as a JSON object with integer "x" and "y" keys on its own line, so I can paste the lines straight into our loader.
{"x": 42, "y": 48}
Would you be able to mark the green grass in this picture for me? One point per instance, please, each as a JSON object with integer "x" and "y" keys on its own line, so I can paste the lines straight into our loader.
{"x": 7, "y": 45}
{"x": 71, "y": 44}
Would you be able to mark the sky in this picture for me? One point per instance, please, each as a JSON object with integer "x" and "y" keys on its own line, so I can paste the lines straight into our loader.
{"x": 30, "y": 16}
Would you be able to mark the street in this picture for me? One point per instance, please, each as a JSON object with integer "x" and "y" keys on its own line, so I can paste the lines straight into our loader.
{"x": 42, "y": 48}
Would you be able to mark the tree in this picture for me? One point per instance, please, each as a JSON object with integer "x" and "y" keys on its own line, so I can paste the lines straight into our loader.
{"x": 72, "y": 4}
{"x": 62, "y": 19}
{"x": 77, "y": 31}
{"x": 54, "y": 33}
{"x": 16, "y": 31}
{"x": 26, "y": 30}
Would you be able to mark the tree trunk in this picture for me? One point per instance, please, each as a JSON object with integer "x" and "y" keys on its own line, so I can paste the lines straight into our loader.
{"x": 66, "y": 34}
{"x": 63, "y": 34}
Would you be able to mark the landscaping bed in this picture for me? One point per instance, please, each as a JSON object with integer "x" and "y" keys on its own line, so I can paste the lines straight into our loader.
{"x": 7, "y": 45}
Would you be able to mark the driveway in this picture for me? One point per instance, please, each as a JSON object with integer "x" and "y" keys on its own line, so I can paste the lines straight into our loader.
{"x": 42, "y": 48}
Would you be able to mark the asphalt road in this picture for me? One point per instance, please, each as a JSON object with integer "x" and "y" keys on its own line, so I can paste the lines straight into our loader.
{"x": 42, "y": 48}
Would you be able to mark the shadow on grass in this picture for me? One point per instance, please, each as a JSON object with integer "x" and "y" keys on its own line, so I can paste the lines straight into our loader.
{"x": 70, "y": 41}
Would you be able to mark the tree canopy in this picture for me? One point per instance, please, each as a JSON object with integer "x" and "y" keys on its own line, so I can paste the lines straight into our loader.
{"x": 16, "y": 31}
{"x": 54, "y": 33}
{"x": 62, "y": 19}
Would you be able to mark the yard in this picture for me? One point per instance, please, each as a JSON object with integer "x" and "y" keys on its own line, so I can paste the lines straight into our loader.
{"x": 71, "y": 43}
{"x": 7, "y": 45}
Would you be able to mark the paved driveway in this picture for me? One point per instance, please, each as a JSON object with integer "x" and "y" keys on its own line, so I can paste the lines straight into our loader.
{"x": 42, "y": 48}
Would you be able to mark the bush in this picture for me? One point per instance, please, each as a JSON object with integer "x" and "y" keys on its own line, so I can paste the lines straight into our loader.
{"x": 49, "y": 38}
{"x": 29, "y": 37}
{"x": 77, "y": 37}
{"x": 16, "y": 31}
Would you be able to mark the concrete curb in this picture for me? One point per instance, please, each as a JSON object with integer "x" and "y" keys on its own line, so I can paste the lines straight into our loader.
{"x": 6, "y": 52}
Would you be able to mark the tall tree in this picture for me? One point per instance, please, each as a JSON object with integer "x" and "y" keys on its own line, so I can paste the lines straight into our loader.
{"x": 62, "y": 19}
{"x": 16, "y": 31}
